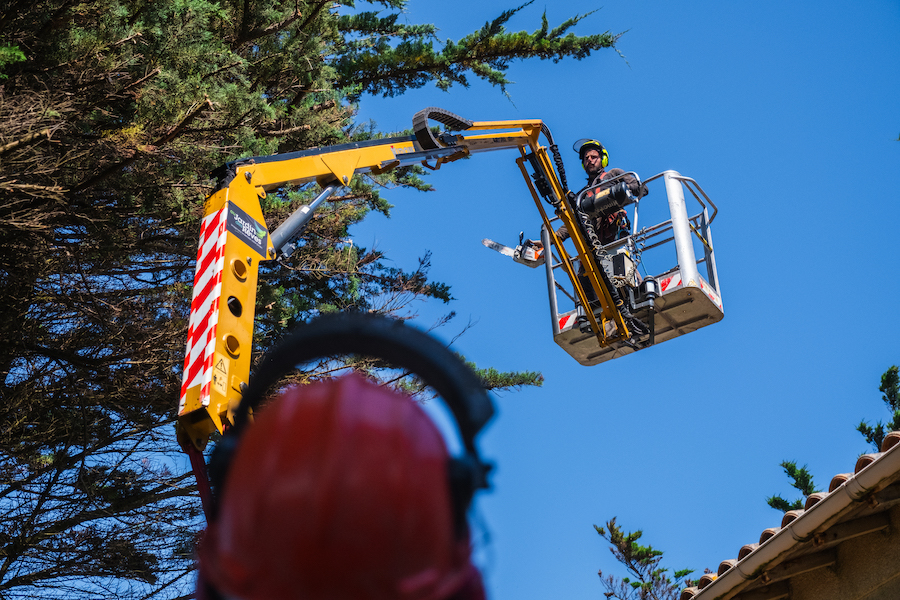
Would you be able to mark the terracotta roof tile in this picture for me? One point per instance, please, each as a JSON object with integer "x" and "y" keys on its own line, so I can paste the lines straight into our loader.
{"x": 725, "y": 565}
{"x": 706, "y": 579}
{"x": 812, "y": 499}
{"x": 839, "y": 480}
{"x": 745, "y": 550}
{"x": 864, "y": 461}
{"x": 766, "y": 534}
{"x": 688, "y": 593}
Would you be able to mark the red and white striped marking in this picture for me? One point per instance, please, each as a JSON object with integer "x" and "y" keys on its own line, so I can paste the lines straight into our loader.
{"x": 670, "y": 283}
{"x": 201, "y": 345}
{"x": 711, "y": 293}
{"x": 566, "y": 322}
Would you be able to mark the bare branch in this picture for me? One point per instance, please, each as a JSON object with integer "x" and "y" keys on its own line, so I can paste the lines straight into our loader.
{"x": 28, "y": 139}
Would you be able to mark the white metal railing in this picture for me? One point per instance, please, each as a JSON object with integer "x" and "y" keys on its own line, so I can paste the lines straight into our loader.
{"x": 690, "y": 236}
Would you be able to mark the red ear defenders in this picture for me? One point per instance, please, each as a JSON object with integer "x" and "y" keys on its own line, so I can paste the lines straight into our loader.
{"x": 251, "y": 447}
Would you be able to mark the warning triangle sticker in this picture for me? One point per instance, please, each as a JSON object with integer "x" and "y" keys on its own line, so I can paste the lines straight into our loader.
{"x": 220, "y": 366}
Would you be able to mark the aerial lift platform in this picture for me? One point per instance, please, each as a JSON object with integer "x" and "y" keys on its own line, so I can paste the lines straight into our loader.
{"x": 677, "y": 300}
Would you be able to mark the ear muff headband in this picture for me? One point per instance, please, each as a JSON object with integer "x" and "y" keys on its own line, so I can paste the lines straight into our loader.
{"x": 399, "y": 344}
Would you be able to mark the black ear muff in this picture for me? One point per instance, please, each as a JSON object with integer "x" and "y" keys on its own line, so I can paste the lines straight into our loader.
{"x": 398, "y": 344}
{"x": 467, "y": 476}
{"x": 219, "y": 461}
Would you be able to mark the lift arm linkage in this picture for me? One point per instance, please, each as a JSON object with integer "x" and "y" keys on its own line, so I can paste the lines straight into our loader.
{"x": 234, "y": 238}
{"x": 561, "y": 200}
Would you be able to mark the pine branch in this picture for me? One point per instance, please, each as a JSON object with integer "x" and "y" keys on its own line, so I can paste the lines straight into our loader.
{"x": 890, "y": 387}
{"x": 779, "y": 503}
{"x": 313, "y": 14}
{"x": 173, "y": 133}
{"x": 801, "y": 479}
{"x": 181, "y": 126}
{"x": 160, "y": 493}
{"x": 260, "y": 32}
{"x": 642, "y": 563}
{"x": 143, "y": 80}
{"x": 378, "y": 67}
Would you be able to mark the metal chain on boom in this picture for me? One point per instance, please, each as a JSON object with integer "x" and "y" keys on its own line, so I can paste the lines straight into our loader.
{"x": 594, "y": 238}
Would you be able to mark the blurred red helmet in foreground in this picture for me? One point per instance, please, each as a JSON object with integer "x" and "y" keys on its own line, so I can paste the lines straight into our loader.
{"x": 339, "y": 490}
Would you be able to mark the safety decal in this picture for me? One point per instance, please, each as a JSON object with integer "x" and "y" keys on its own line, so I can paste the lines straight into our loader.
{"x": 220, "y": 374}
{"x": 397, "y": 150}
{"x": 248, "y": 229}
{"x": 565, "y": 322}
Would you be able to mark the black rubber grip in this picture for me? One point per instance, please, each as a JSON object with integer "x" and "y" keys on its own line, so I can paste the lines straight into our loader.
{"x": 423, "y": 132}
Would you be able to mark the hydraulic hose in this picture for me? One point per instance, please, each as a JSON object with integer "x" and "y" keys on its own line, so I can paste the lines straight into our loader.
{"x": 557, "y": 157}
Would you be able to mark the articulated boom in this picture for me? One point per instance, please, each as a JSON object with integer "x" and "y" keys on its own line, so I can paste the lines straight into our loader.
{"x": 235, "y": 238}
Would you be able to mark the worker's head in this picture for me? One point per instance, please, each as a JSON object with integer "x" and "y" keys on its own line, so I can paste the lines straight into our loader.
{"x": 594, "y": 157}
{"x": 342, "y": 489}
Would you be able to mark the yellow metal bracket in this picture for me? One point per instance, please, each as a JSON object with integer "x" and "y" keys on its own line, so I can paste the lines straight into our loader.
{"x": 442, "y": 160}
{"x": 342, "y": 165}
{"x": 222, "y": 321}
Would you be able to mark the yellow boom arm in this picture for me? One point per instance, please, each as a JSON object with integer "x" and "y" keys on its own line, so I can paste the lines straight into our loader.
{"x": 234, "y": 239}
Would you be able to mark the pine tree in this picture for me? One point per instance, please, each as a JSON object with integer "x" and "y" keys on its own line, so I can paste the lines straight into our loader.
{"x": 647, "y": 580}
{"x": 113, "y": 114}
{"x": 801, "y": 479}
{"x": 890, "y": 381}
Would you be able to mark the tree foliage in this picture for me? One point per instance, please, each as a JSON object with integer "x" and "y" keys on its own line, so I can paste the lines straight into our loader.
{"x": 9, "y": 54}
{"x": 647, "y": 580}
{"x": 801, "y": 479}
{"x": 113, "y": 113}
{"x": 372, "y": 61}
{"x": 890, "y": 381}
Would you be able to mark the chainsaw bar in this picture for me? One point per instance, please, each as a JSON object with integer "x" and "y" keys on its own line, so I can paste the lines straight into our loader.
{"x": 504, "y": 250}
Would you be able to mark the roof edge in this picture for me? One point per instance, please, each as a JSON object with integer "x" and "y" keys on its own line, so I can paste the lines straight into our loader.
{"x": 817, "y": 519}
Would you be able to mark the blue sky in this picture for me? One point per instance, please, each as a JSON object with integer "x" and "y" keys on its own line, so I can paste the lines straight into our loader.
{"x": 786, "y": 113}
